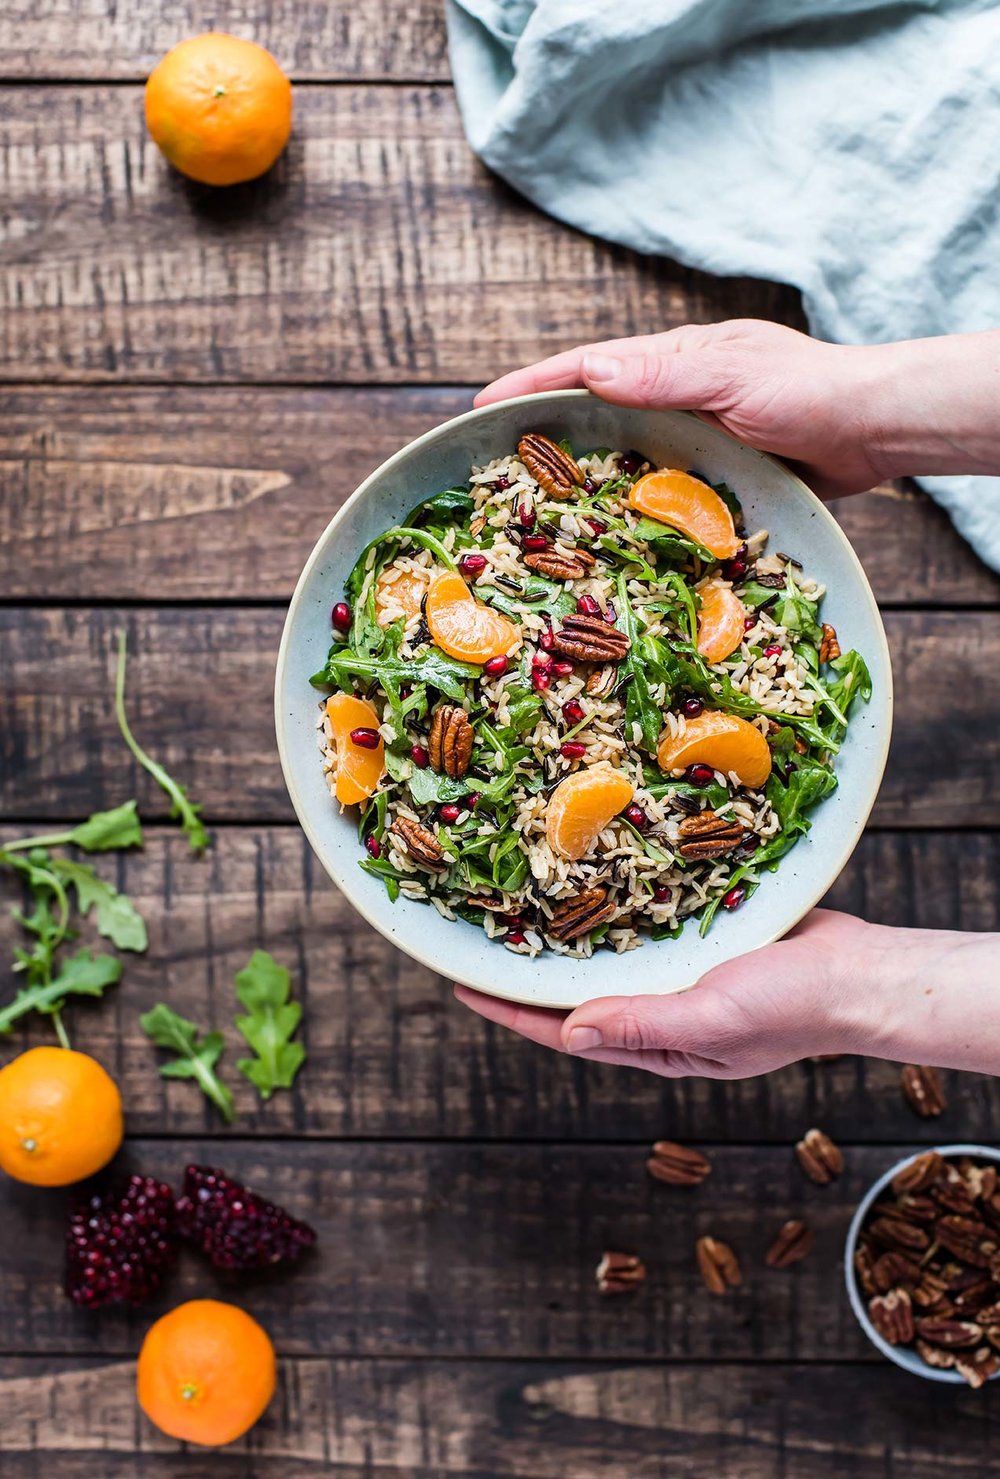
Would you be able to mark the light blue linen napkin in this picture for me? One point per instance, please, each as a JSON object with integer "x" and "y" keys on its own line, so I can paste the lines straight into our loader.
{"x": 850, "y": 147}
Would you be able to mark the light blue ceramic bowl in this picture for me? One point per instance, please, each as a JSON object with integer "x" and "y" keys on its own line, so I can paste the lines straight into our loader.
{"x": 774, "y": 499}
{"x": 902, "y": 1355}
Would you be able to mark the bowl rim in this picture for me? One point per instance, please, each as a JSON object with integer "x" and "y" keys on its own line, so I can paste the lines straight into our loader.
{"x": 904, "y": 1357}
{"x": 852, "y": 830}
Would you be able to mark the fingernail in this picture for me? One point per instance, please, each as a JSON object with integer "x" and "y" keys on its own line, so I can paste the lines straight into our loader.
{"x": 581, "y": 1039}
{"x": 601, "y": 367}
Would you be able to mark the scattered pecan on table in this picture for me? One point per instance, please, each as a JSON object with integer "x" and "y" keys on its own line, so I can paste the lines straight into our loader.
{"x": 677, "y": 1165}
{"x": 718, "y": 1265}
{"x": 819, "y": 1158}
{"x": 620, "y": 1273}
{"x": 922, "y": 1090}
{"x": 793, "y": 1243}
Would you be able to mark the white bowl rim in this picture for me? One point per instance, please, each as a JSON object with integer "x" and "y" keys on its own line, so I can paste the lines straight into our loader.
{"x": 902, "y": 1356}
{"x": 852, "y": 833}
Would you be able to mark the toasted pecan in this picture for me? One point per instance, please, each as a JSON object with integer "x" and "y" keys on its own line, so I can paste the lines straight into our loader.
{"x": 420, "y": 844}
{"x": 449, "y": 743}
{"x": 580, "y": 914}
{"x": 552, "y": 468}
{"x": 590, "y": 639}
{"x": 709, "y": 836}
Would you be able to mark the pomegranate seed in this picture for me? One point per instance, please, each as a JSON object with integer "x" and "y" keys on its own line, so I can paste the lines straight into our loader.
{"x": 450, "y": 812}
{"x": 340, "y": 617}
{"x": 496, "y": 666}
{"x": 749, "y": 622}
{"x": 533, "y": 542}
{"x": 472, "y": 564}
{"x": 573, "y": 750}
{"x": 473, "y": 799}
{"x": 631, "y": 462}
{"x": 540, "y": 680}
{"x": 611, "y": 615}
{"x": 734, "y": 569}
{"x": 589, "y": 486}
{"x": 562, "y": 668}
{"x": 526, "y": 514}
{"x": 546, "y": 639}
{"x": 501, "y": 483}
{"x": 587, "y": 606}
{"x": 374, "y": 846}
{"x": 541, "y": 661}
{"x": 734, "y": 898}
{"x": 692, "y": 707}
{"x": 636, "y": 816}
{"x": 514, "y": 938}
{"x": 773, "y": 651}
{"x": 699, "y": 775}
{"x": 661, "y": 893}
{"x": 572, "y": 711}
{"x": 510, "y": 921}
{"x": 420, "y": 757}
{"x": 366, "y": 739}
{"x": 596, "y": 527}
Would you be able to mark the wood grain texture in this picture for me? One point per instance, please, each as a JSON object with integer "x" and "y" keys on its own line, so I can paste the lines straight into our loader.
{"x": 481, "y": 1251}
{"x": 103, "y": 40}
{"x": 392, "y": 1054}
{"x": 200, "y": 695}
{"x": 511, "y": 1420}
{"x": 116, "y": 493}
{"x": 377, "y": 250}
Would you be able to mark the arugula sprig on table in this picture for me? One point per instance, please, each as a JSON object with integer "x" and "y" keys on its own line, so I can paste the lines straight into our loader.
{"x": 195, "y": 1056}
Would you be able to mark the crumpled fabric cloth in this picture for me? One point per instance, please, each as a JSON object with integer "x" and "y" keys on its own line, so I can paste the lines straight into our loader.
{"x": 850, "y": 147}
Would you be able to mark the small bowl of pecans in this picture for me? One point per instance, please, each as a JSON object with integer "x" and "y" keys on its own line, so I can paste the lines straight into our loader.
{"x": 922, "y": 1264}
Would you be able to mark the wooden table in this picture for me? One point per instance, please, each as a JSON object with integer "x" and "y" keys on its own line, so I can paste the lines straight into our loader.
{"x": 193, "y": 380}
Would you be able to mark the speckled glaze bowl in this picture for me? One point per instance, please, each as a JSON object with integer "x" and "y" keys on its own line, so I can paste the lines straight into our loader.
{"x": 773, "y": 499}
{"x": 901, "y": 1355}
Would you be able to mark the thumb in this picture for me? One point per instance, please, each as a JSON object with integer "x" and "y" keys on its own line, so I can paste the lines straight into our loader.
{"x": 678, "y": 381}
{"x": 687, "y": 1021}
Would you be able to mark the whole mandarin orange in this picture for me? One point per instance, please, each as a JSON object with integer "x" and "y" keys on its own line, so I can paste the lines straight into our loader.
{"x": 206, "y": 1372}
{"x": 60, "y": 1117}
{"x": 220, "y": 108}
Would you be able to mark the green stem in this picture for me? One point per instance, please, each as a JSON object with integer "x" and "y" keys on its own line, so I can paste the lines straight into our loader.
{"x": 45, "y": 839}
{"x": 146, "y": 761}
{"x": 57, "y": 1023}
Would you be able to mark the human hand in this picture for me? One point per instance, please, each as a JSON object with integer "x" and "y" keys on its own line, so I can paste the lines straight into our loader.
{"x": 833, "y": 985}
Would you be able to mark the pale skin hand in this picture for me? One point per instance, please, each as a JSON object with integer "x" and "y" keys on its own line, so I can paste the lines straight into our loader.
{"x": 848, "y": 417}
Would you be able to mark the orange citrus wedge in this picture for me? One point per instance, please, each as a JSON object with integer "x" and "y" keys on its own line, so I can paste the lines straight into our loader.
{"x": 462, "y": 626}
{"x": 581, "y": 807}
{"x": 359, "y": 770}
{"x": 720, "y": 622}
{"x": 686, "y": 503}
{"x": 723, "y": 741}
{"x": 405, "y": 592}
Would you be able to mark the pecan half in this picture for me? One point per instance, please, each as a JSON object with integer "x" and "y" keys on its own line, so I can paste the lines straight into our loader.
{"x": 989, "y": 1315}
{"x": 953, "y": 1334}
{"x": 422, "y": 846}
{"x": 819, "y": 1157}
{"x": 980, "y": 1180}
{"x": 677, "y": 1165}
{"x": 580, "y": 914}
{"x": 709, "y": 836}
{"x": 793, "y": 1243}
{"x": 918, "y": 1174}
{"x": 934, "y": 1355}
{"x": 551, "y": 467}
{"x": 449, "y": 743}
{"x": 976, "y": 1297}
{"x": 864, "y": 1267}
{"x": 969, "y": 1239}
{"x": 590, "y": 639}
{"x": 895, "y": 1270}
{"x": 620, "y": 1273}
{"x": 601, "y": 682}
{"x": 914, "y": 1208}
{"x": 979, "y": 1367}
{"x": 892, "y": 1316}
{"x": 718, "y": 1265}
{"x": 896, "y": 1233}
{"x": 558, "y": 566}
{"x": 829, "y": 647}
{"x": 922, "y": 1090}
{"x": 952, "y": 1192}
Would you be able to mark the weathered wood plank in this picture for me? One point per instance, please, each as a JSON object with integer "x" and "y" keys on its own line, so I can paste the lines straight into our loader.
{"x": 200, "y": 695}
{"x": 484, "y": 1251}
{"x": 105, "y": 40}
{"x": 391, "y": 1053}
{"x": 378, "y": 250}
{"x": 493, "y": 1419}
{"x": 174, "y": 493}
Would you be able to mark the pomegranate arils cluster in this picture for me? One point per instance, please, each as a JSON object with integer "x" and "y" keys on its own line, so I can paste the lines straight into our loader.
{"x": 120, "y": 1246}
{"x": 236, "y": 1228}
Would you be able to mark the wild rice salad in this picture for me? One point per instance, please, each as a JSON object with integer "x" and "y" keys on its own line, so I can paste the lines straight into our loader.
{"x": 575, "y": 701}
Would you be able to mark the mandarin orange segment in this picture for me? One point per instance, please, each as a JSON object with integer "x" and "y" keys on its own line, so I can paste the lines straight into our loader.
{"x": 581, "y": 806}
{"x": 720, "y": 622}
{"x": 359, "y": 770}
{"x": 462, "y": 626}
{"x": 723, "y": 741}
{"x": 403, "y": 590}
{"x": 686, "y": 503}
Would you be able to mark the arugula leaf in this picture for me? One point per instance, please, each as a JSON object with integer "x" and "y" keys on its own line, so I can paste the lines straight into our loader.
{"x": 549, "y": 595}
{"x": 118, "y": 828}
{"x": 729, "y": 498}
{"x": 441, "y": 508}
{"x": 524, "y": 708}
{"x": 391, "y": 672}
{"x": 263, "y": 988}
{"x": 83, "y": 974}
{"x": 791, "y": 609}
{"x": 428, "y": 787}
{"x": 196, "y": 1056}
{"x": 117, "y": 918}
{"x": 181, "y": 807}
{"x": 639, "y": 705}
{"x": 668, "y": 544}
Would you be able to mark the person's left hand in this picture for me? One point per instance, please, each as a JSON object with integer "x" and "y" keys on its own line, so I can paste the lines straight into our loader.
{"x": 802, "y": 997}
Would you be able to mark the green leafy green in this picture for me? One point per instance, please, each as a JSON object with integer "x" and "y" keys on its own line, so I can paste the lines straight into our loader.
{"x": 667, "y": 544}
{"x": 441, "y": 509}
{"x": 791, "y": 609}
{"x": 263, "y": 988}
{"x": 431, "y": 788}
{"x": 640, "y": 707}
{"x": 549, "y": 595}
{"x": 181, "y": 806}
{"x": 118, "y": 828}
{"x": 195, "y": 1056}
{"x": 116, "y": 916}
{"x": 391, "y": 673}
{"x": 83, "y": 974}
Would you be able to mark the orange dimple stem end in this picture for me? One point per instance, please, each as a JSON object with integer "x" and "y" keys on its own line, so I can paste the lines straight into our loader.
{"x": 462, "y": 626}
{"x": 581, "y": 806}
{"x": 686, "y": 503}
{"x": 358, "y": 770}
{"x": 720, "y": 622}
{"x": 723, "y": 741}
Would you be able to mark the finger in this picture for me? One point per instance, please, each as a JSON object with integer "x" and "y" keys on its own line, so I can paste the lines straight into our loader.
{"x": 564, "y": 371}
{"x": 685, "y": 1022}
{"x": 538, "y": 1024}
{"x": 690, "y": 380}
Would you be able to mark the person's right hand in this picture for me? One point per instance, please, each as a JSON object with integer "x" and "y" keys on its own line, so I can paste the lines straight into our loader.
{"x": 772, "y": 387}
